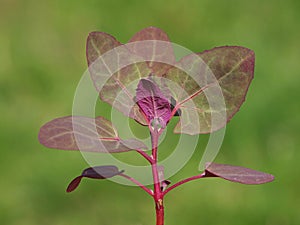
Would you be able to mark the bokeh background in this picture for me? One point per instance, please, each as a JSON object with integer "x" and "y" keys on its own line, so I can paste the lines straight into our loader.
{"x": 42, "y": 58}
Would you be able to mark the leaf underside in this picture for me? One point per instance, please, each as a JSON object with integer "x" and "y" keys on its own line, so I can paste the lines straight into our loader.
{"x": 158, "y": 50}
{"x": 209, "y": 87}
{"x": 115, "y": 72}
{"x": 97, "y": 172}
{"x": 85, "y": 134}
{"x": 116, "y": 69}
{"x": 207, "y": 78}
{"x": 237, "y": 174}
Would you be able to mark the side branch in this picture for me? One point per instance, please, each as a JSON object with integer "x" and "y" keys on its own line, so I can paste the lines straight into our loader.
{"x": 149, "y": 191}
{"x": 145, "y": 155}
{"x": 183, "y": 182}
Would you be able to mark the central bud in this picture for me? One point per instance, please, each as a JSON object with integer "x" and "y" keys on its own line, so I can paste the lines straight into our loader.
{"x": 157, "y": 123}
{"x": 153, "y": 103}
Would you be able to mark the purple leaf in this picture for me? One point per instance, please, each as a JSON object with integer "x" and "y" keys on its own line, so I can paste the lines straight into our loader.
{"x": 97, "y": 172}
{"x": 164, "y": 184}
{"x": 237, "y": 174}
{"x": 159, "y": 49}
{"x": 114, "y": 69}
{"x": 153, "y": 103}
{"x": 74, "y": 184}
{"x": 233, "y": 69}
{"x": 85, "y": 134}
{"x": 101, "y": 172}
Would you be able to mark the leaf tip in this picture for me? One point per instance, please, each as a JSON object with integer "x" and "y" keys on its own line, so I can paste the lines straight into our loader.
{"x": 73, "y": 184}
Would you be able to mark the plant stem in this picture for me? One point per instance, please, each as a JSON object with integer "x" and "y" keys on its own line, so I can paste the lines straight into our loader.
{"x": 159, "y": 213}
{"x": 149, "y": 191}
{"x": 145, "y": 155}
{"x": 158, "y": 195}
{"x": 183, "y": 182}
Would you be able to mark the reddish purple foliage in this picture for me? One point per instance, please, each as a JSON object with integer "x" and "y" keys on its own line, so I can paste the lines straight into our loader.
{"x": 85, "y": 134}
{"x": 97, "y": 172}
{"x": 152, "y": 102}
{"x": 162, "y": 51}
{"x": 237, "y": 174}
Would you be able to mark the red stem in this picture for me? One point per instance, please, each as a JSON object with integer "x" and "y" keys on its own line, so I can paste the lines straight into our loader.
{"x": 145, "y": 155}
{"x": 158, "y": 195}
{"x": 149, "y": 191}
{"x": 159, "y": 214}
{"x": 183, "y": 182}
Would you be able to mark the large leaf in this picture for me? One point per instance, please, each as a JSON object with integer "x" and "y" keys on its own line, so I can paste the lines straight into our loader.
{"x": 115, "y": 72}
{"x": 85, "y": 134}
{"x": 154, "y": 45}
{"x": 97, "y": 172}
{"x": 153, "y": 103}
{"x": 237, "y": 174}
{"x": 203, "y": 80}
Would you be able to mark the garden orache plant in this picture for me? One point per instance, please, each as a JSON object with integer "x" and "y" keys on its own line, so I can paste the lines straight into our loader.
{"x": 153, "y": 102}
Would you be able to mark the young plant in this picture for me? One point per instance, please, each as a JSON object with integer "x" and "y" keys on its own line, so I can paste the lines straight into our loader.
{"x": 165, "y": 88}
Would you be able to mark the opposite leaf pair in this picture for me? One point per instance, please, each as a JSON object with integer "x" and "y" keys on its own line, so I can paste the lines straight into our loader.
{"x": 231, "y": 173}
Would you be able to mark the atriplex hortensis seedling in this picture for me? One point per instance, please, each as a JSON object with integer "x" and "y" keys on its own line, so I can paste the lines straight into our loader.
{"x": 163, "y": 88}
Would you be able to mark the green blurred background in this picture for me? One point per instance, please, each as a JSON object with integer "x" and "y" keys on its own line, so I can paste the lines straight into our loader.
{"x": 42, "y": 58}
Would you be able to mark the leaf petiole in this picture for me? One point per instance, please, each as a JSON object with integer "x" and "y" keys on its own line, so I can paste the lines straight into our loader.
{"x": 183, "y": 182}
{"x": 145, "y": 155}
{"x": 148, "y": 190}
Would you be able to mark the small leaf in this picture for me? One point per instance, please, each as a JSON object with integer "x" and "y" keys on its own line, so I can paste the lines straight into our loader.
{"x": 85, "y": 134}
{"x": 237, "y": 174}
{"x": 164, "y": 184}
{"x": 231, "y": 68}
{"x": 101, "y": 172}
{"x": 74, "y": 184}
{"x": 152, "y": 102}
{"x": 97, "y": 172}
{"x": 159, "y": 48}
